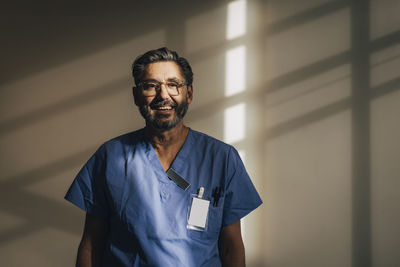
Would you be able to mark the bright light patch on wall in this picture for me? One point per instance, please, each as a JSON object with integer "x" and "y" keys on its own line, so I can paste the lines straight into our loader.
{"x": 235, "y": 123}
{"x": 236, "y": 22}
{"x": 235, "y": 78}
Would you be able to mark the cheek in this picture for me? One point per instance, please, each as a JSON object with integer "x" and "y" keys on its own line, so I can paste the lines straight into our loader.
{"x": 182, "y": 98}
{"x": 144, "y": 101}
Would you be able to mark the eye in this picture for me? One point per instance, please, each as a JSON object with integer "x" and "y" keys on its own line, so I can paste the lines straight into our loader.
{"x": 172, "y": 85}
{"x": 149, "y": 86}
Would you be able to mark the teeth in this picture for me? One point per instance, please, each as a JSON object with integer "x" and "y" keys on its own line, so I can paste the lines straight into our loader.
{"x": 164, "y": 108}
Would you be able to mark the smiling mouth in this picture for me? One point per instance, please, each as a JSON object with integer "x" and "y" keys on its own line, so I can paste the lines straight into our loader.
{"x": 163, "y": 108}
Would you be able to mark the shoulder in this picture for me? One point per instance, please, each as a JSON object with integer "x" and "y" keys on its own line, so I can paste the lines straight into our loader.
{"x": 208, "y": 145}
{"x": 121, "y": 142}
{"x": 204, "y": 140}
{"x": 131, "y": 138}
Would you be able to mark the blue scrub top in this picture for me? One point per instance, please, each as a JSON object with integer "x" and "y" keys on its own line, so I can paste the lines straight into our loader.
{"x": 125, "y": 183}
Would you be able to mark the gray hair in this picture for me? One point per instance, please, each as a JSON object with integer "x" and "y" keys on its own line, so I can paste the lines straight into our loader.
{"x": 157, "y": 55}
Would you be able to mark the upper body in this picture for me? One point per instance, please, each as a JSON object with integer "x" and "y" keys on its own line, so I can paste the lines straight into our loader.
{"x": 136, "y": 215}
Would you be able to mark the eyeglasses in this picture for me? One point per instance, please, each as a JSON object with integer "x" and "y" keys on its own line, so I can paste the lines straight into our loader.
{"x": 150, "y": 88}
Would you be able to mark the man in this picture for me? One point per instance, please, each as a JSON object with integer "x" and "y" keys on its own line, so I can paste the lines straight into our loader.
{"x": 164, "y": 195}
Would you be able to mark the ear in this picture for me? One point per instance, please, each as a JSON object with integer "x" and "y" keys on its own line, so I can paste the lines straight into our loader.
{"x": 189, "y": 96}
{"x": 135, "y": 96}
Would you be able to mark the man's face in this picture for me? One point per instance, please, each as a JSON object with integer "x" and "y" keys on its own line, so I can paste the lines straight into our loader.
{"x": 163, "y": 111}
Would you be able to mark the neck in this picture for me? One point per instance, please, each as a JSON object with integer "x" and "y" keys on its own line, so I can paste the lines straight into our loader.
{"x": 167, "y": 143}
{"x": 166, "y": 138}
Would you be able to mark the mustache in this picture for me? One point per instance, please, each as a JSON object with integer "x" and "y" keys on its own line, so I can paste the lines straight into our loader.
{"x": 158, "y": 104}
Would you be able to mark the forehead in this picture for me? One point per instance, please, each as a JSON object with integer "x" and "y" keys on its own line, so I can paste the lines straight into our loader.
{"x": 163, "y": 70}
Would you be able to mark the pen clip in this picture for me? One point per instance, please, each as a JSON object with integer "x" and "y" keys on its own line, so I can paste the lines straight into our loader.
{"x": 216, "y": 194}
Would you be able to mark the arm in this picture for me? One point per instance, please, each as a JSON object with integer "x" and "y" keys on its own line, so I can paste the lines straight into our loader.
{"x": 231, "y": 248}
{"x": 92, "y": 244}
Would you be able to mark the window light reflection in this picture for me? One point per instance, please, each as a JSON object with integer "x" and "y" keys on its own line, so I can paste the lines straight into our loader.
{"x": 234, "y": 123}
{"x": 236, "y": 22}
{"x": 235, "y": 71}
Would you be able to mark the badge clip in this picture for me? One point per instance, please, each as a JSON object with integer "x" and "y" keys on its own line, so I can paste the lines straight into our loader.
{"x": 177, "y": 179}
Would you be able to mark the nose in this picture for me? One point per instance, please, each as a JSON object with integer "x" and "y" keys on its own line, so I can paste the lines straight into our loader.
{"x": 163, "y": 92}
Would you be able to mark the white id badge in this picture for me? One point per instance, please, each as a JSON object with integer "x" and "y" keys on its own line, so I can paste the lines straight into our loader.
{"x": 198, "y": 214}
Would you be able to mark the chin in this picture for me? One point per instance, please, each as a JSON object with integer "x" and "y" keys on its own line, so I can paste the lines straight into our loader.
{"x": 162, "y": 122}
{"x": 165, "y": 125}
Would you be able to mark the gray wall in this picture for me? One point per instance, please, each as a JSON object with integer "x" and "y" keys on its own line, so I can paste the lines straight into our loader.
{"x": 319, "y": 116}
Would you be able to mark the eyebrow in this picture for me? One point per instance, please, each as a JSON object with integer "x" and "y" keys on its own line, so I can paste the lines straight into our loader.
{"x": 174, "y": 79}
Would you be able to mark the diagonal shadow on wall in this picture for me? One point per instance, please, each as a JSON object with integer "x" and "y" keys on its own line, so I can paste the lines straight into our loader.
{"x": 37, "y": 210}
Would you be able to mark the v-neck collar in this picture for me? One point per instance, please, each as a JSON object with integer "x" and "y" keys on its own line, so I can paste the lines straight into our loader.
{"x": 177, "y": 165}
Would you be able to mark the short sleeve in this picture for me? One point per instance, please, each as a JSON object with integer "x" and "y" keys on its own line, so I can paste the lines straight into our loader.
{"x": 88, "y": 189}
{"x": 241, "y": 197}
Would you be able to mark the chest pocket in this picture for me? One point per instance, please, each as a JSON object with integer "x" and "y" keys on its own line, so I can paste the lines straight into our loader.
{"x": 214, "y": 221}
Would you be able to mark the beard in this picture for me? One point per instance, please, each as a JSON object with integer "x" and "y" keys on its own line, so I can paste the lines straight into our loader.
{"x": 155, "y": 120}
